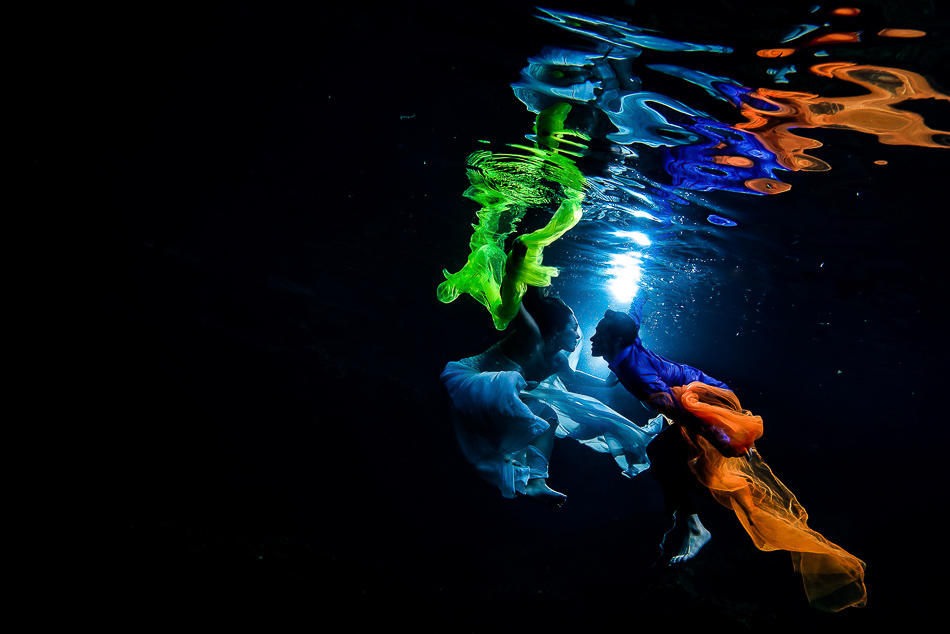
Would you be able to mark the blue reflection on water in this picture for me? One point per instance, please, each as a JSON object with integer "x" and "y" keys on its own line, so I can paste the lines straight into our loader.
{"x": 719, "y": 220}
{"x": 797, "y": 31}
{"x": 620, "y": 34}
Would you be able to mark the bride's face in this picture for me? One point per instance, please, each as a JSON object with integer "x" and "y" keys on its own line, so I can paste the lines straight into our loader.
{"x": 568, "y": 337}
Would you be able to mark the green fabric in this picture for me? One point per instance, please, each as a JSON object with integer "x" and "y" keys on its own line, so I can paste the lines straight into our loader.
{"x": 506, "y": 186}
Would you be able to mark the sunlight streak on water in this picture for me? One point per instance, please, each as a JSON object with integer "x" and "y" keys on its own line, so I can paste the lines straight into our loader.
{"x": 626, "y": 273}
{"x": 638, "y": 237}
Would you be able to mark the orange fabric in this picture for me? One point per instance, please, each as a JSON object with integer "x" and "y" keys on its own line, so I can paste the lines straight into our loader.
{"x": 721, "y": 419}
{"x": 769, "y": 512}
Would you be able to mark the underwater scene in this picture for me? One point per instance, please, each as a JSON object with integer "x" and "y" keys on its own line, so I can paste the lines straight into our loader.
{"x": 475, "y": 316}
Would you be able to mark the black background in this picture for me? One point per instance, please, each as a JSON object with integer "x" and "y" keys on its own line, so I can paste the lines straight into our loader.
{"x": 257, "y": 201}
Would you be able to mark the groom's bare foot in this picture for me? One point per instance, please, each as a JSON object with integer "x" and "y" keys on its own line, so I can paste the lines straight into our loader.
{"x": 696, "y": 537}
{"x": 538, "y": 490}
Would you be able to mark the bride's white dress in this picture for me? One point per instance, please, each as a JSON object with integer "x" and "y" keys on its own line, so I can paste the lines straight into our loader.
{"x": 496, "y": 419}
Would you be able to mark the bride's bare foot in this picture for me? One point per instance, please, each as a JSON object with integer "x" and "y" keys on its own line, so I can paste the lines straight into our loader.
{"x": 538, "y": 490}
{"x": 696, "y": 537}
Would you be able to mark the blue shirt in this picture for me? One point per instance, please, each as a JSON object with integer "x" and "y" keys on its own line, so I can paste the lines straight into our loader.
{"x": 644, "y": 372}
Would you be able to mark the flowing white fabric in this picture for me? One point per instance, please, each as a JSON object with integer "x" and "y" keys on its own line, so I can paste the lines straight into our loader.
{"x": 495, "y": 427}
{"x": 592, "y": 423}
{"x": 496, "y": 420}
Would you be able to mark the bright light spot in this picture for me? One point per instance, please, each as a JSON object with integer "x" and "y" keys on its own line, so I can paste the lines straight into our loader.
{"x": 626, "y": 274}
{"x": 644, "y": 198}
{"x": 636, "y": 236}
{"x": 645, "y": 214}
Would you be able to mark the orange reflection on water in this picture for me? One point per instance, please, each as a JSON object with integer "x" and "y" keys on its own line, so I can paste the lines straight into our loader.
{"x": 835, "y": 38}
{"x": 735, "y": 161}
{"x": 767, "y": 185}
{"x": 848, "y": 11}
{"x": 827, "y": 38}
{"x": 901, "y": 33}
{"x": 775, "y": 52}
{"x": 872, "y": 113}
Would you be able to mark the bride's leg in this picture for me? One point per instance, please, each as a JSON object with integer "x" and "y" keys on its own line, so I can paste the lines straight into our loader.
{"x": 538, "y": 458}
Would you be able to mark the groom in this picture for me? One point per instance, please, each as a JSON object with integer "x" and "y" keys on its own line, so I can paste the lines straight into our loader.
{"x": 710, "y": 446}
{"x": 649, "y": 377}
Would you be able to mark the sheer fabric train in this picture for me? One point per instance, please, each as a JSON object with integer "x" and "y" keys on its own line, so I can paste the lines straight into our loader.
{"x": 769, "y": 512}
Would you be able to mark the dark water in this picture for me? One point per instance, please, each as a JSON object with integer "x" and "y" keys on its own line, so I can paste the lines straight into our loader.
{"x": 278, "y": 189}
